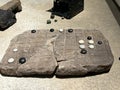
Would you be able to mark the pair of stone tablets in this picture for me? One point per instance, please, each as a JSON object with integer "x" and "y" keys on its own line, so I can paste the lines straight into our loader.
{"x": 42, "y": 52}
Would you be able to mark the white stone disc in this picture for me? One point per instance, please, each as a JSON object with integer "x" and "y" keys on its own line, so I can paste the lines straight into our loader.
{"x": 82, "y": 46}
{"x": 91, "y": 42}
{"x": 61, "y": 30}
{"x": 81, "y": 41}
{"x": 10, "y": 60}
{"x": 15, "y": 50}
{"x": 91, "y": 46}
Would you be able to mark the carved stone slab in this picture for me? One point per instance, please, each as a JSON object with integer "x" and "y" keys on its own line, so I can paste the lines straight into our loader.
{"x": 61, "y": 53}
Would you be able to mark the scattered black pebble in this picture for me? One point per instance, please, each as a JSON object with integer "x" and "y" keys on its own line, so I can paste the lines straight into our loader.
{"x": 22, "y": 60}
{"x": 33, "y": 31}
{"x": 51, "y": 30}
{"x": 55, "y": 20}
{"x": 119, "y": 58}
{"x": 48, "y": 21}
{"x": 70, "y": 30}
{"x": 52, "y": 16}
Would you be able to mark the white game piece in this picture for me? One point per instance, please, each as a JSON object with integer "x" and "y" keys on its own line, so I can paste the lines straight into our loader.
{"x": 82, "y": 46}
{"x": 15, "y": 50}
{"x": 11, "y": 60}
{"x": 81, "y": 41}
{"x": 91, "y": 46}
{"x": 91, "y": 42}
{"x": 61, "y": 30}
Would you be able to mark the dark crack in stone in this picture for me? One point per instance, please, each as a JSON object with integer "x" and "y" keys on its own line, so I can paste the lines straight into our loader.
{"x": 57, "y": 54}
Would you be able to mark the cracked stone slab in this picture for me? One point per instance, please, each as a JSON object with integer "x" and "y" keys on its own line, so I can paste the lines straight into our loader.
{"x": 42, "y": 52}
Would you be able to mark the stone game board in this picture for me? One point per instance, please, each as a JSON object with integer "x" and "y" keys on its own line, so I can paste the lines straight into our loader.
{"x": 72, "y": 52}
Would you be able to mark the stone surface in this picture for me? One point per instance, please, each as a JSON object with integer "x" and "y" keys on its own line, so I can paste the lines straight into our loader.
{"x": 71, "y": 62}
{"x": 7, "y": 14}
{"x": 49, "y": 53}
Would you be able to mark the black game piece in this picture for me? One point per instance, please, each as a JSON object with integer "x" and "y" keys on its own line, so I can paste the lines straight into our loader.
{"x": 89, "y": 37}
{"x": 22, "y": 60}
{"x": 83, "y": 51}
{"x": 51, "y": 30}
{"x": 70, "y": 30}
{"x": 99, "y": 42}
{"x": 33, "y": 31}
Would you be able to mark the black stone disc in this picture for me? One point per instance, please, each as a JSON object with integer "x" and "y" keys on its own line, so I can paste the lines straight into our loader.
{"x": 70, "y": 30}
{"x": 52, "y": 30}
{"x": 55, "y": 20}
{"x": 99, "y": 42}
{"x": 89, "y": 37}
{"x": 33, "y": 31}
{"x": 22, "y": 60}
{"x": 83, "y": 51}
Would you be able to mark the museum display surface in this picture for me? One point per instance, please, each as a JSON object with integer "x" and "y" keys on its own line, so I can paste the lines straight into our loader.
{"x": 46, "y": 50}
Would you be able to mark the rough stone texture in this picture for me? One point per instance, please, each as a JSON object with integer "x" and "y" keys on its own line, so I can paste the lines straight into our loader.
{"x": 7, "y": 13}
{"x": 49, "y": 53}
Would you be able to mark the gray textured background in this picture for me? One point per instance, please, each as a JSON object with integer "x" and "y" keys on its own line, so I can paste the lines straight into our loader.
{"x": 96, "y": 15}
